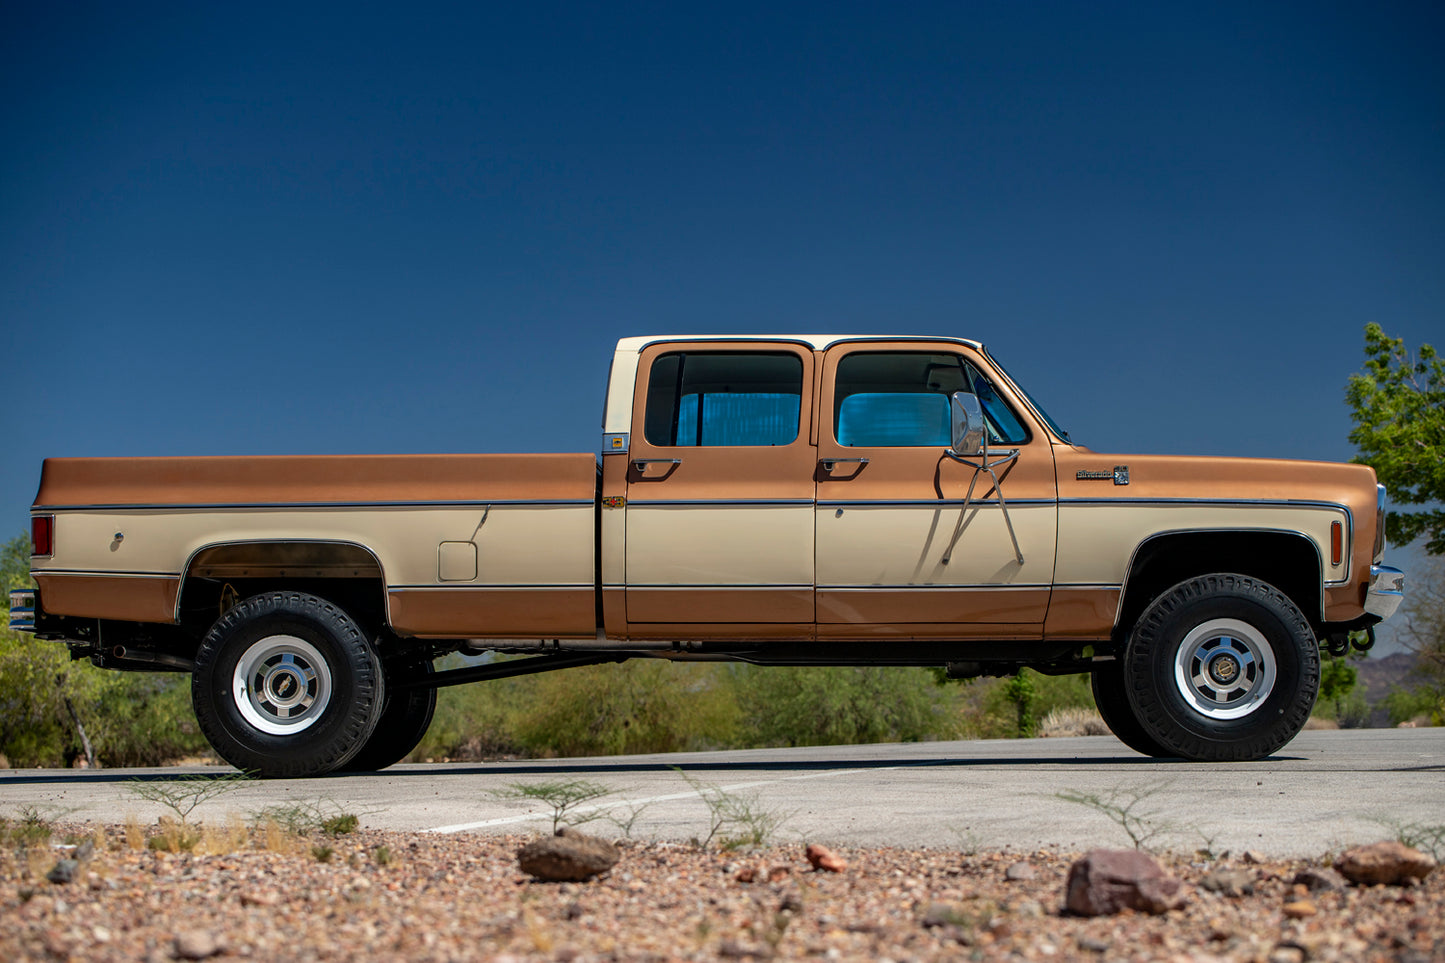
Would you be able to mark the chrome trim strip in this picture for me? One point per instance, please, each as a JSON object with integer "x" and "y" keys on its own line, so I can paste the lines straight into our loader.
{"x": 1099, "y": 586}
{"x": 1319, "y": 556}
{"x": 711, "y": 586}
{"x": 717, "y": 502}
{"x": 929, "y": 503}
{"x": 190, "y": 560}
{"x": 491, "y": 586}
{"x": 1232, "y": 502}
{"x": 977, "y": 587}
{"x": 103, "y": 573}
{"x": 209, "y": 506}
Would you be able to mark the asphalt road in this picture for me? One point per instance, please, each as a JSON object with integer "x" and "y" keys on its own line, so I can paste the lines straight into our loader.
{"x": 1322, "y": 791}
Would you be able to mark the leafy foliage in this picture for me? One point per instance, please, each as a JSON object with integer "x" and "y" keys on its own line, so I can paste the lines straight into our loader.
{"x": 132, "y": 719}
{"x": 835, "y": 706}
{"x": 1398, "y": 406}
{"x": 1422, "y": 631}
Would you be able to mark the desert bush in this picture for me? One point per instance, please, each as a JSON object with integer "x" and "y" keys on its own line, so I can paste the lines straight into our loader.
{"x": 639, "y": 706}
{"x": 834, "y": 706}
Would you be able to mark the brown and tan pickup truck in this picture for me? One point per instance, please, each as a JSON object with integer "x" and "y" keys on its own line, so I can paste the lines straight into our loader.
{"x": 789, "y": 500}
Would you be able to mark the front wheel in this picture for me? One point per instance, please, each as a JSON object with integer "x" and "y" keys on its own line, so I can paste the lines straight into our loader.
{"x": 1220, "y": 668}
{"x": 286, "y": 685}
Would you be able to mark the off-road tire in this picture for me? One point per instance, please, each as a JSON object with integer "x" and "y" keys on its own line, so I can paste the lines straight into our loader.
{"x": 404, "y": 720}
{"x": 1222, "y": 668}
{"x": 1111, "y": 698}
{"x": 287, "y": 647}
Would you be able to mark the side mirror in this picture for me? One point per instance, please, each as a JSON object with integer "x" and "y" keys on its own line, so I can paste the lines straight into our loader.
{"x": 966, "y": 424}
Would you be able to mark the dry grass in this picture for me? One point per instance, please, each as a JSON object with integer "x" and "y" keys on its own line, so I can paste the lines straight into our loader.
{"x": 1072, "y": 721}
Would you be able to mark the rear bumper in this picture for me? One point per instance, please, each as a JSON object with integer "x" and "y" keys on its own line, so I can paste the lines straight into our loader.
{"x": 22, "y": 610}
{"x": 1387, "y": 591}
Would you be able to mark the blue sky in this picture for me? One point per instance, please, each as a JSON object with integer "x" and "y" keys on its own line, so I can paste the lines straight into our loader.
{"x": 362, "y": 228}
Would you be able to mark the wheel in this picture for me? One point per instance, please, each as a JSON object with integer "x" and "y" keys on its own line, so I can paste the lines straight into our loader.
{"x": 1222, "y": 667}
{"x": 1111, "y": 698}
{"x": 404, "y": 720}
{"x": 286, "y": 685}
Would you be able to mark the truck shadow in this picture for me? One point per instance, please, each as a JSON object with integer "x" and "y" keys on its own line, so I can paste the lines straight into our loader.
{"x": 529, "y": 767}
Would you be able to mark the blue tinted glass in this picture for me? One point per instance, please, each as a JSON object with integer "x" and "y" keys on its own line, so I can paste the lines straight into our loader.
{"x": 738, "y": 419}
{"x": 886, "y": 420}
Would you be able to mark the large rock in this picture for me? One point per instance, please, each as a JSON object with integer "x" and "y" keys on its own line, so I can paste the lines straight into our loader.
{"x": 1107, "y": 881}
{"x": 1390, "y": 863}
{"x": 569, "y": 856}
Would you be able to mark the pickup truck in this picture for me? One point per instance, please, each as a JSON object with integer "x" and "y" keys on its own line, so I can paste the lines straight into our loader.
{"x": 787, "y": 500}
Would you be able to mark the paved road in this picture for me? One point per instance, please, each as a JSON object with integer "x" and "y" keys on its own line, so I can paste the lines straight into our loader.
{"x": 1321, "y": 791}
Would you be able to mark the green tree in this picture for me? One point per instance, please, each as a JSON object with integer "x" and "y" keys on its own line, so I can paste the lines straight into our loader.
{"x": 1398, "y": 406}
{"x": 131, "y": 718}
{"x": 1422, "y": 631}
{"x": 1337, "y": 680}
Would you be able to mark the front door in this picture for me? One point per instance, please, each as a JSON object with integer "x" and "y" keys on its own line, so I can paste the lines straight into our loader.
{"x": 720, "y": 492}
{"x": 900, "y": 554}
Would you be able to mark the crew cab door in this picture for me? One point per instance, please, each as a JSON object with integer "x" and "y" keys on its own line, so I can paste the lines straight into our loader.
{"x": 720, "y": 491}
{"x": 899, "y": 554}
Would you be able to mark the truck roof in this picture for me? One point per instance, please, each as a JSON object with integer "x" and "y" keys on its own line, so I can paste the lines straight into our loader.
{"x": 816, "y": 341}
{"x": 617, "y": 415}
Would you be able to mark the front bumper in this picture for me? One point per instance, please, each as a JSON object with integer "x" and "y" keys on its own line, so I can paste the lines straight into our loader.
{"x": 1387, "y": 591}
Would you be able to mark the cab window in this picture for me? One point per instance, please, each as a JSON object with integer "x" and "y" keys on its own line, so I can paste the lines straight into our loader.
{"x": 899, "y": 399}
{"x": 723, "y": 399}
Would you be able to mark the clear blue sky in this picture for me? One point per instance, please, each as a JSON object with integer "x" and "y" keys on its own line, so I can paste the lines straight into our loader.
{"x": 405, "y": 228}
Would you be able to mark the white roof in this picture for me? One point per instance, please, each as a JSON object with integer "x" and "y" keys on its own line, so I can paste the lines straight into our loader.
{"x": 817, "y": 342}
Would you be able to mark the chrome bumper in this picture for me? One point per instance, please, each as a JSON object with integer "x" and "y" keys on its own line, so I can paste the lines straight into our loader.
{"x": 1387, "y": 591}
{"x": 22, "y": 610}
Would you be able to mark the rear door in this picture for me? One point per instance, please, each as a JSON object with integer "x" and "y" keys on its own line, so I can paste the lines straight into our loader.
{"x": 899, "y": 554}
{"x": 720, "y": 492}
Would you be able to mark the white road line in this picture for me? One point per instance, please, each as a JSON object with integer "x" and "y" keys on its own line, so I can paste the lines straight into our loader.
{"x": 690, "y": 794}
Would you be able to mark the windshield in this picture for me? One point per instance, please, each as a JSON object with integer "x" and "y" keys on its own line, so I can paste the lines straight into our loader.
{"x": 1054, "y": 426}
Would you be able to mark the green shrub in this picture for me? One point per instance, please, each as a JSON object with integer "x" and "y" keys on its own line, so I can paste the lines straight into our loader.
{"x": 841, "y": 705}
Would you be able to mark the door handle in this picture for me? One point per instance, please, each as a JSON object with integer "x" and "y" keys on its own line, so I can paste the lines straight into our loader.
{"x": 828, "y": 463}
{"x": 641, "y": 463}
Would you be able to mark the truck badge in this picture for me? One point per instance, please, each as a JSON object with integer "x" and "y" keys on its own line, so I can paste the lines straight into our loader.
{"x": 1119, "y": 476}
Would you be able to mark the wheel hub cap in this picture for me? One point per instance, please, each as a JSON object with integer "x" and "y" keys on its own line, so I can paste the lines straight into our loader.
{"x": 281, "y": 685}
{"x": 1225, "y": 669}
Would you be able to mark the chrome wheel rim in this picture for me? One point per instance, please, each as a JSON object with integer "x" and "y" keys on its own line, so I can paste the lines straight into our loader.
{"x": 1224, "y": 669}
{"x": 281, "y": 685}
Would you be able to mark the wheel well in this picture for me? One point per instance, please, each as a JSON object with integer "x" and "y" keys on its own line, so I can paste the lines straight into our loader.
{"x": 339, "y": 572}
{"x": 1287, "y": 560}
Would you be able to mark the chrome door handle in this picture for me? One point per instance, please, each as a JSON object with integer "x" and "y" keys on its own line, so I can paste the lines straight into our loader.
{"x": 641, "y": 463}
{"x": 828, "y": 463}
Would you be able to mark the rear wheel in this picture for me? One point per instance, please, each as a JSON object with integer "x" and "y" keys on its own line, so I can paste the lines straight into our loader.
{"x": 286, "y": 684}
{"x": 1222, "y": 667}
{"x": 404, "y": 719}
{"x": 1112, "y": 701}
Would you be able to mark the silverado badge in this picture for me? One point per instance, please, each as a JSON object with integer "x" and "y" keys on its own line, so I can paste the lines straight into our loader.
{"x": 1119, "y": 476}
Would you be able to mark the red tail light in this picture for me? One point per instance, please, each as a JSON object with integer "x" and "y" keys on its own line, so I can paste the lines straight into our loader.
{"x": 1337, "y": 542}
{"x": 42, "y": 534}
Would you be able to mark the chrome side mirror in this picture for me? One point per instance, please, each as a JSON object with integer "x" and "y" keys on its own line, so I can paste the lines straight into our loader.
{"x": 966, "y": 424}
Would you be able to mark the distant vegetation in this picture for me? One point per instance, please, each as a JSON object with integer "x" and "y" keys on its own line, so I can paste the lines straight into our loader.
{"x": 47, "y": 701}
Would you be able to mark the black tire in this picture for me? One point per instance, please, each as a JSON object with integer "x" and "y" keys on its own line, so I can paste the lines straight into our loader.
{"x": 286, "y": 685}
{"x": 405, "y": 718}
{"x": 1222, "y": 668}
{"x": 1111, "y": 698}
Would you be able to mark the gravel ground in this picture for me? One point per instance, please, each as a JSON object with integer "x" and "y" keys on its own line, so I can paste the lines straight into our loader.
{"x": 384, "y": 896}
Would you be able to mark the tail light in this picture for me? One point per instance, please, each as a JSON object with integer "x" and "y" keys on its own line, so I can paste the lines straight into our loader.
{"x": 1337, "y": 543}
{"x": 42, "y": 534}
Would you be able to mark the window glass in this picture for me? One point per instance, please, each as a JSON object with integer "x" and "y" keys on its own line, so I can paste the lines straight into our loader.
{"x": 899, "y": 399}
{"x": 877, "y": 420}
{"x": 723, "y": 399}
